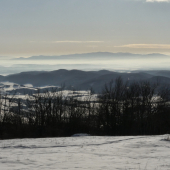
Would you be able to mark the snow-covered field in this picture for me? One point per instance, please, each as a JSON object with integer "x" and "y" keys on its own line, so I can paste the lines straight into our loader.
{"x": 88, "y": 152}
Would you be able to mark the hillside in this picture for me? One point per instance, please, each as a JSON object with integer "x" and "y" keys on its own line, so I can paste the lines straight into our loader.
{"x": 78, "y": 79}
{"x": 84, "y": 80}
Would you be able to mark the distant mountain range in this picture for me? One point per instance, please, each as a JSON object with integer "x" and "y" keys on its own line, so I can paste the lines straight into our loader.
{"x": 95, "y": 55}
{"x": 84, "y": 80}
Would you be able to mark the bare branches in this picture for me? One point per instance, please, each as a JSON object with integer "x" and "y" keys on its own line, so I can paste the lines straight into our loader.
{"x": 123, "y": 108}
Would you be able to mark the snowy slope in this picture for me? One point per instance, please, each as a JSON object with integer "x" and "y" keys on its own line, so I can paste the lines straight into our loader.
{"x": 92, "y": 153}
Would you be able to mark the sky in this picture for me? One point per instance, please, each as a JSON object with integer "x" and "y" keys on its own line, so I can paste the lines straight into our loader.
{"x": 55, "y": 27}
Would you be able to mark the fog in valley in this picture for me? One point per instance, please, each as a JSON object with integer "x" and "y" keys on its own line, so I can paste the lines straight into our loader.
{"x": 121, "y": 62}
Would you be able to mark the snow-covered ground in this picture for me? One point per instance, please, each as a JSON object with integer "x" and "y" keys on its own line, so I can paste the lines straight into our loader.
{"x": 88, "y": 152}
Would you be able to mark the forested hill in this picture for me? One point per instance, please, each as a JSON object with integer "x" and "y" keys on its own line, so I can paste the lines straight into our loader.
{"x": 84, "y": 80}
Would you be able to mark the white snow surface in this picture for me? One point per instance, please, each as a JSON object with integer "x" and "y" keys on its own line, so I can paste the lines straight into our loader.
{"x": 90, "y": 152}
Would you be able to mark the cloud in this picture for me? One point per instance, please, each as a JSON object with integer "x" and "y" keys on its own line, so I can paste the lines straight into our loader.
{"x": 157, "y": 0}
{"x": 78, "y": 41}
{"x": 154, "y": 46}
{"x": 67, "y": 41}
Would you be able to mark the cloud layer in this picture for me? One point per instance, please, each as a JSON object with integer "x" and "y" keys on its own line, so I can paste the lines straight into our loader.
{"x": 157, "y": 0}
{"x": 154, "y": 46}
{"x": 67, "y": 41}
{"x": 77, "y": 41}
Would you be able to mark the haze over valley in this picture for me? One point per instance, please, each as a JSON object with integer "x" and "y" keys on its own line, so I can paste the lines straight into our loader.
{"x": 121, "y": 62}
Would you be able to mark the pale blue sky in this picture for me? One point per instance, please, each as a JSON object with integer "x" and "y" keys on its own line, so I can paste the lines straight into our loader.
{"x": 53, "y": 27}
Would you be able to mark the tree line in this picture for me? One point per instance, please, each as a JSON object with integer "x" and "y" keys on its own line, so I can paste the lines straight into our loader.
{"x": 122, "y": 108}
